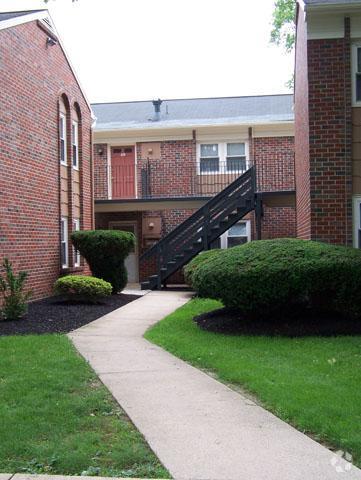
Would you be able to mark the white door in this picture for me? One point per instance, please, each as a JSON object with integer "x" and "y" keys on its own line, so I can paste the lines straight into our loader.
{"x": 131, "y": 262}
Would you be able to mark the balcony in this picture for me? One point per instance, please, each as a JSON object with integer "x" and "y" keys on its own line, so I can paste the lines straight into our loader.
{"x": 147, "y": 182}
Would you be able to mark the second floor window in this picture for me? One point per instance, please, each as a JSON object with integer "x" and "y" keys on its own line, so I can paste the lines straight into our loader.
{"x": 75, "y": 144}
{"x": 62, "y": 138}
{"x": 222, "y": 158}
{"x": 356, "y": 69}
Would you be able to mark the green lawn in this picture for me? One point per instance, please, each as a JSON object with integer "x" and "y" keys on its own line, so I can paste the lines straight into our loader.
{"x": 313, "y": 383}
{"x": 56, "y": 417}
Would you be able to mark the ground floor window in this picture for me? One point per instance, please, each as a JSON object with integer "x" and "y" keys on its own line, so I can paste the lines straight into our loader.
{"x": 237, "y": 235}
{"x": 76, "y": 254}
{"x": 64, "y": 242}
{"x": 357, "y": 222}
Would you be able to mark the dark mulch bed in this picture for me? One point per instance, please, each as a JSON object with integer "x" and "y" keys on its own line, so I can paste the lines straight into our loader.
{"x": 53, "y": 315}
{"x": 302, "y": 322}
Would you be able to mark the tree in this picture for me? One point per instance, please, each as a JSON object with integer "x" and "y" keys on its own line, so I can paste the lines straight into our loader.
{"x": 284, "y": 29}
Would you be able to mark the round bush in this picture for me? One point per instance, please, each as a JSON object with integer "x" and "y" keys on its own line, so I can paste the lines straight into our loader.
{"x": 191, "y": 267}
{"x": 265, "y": 276}
{"x": 105, "y": 252}
{"x": 78, "y": 287}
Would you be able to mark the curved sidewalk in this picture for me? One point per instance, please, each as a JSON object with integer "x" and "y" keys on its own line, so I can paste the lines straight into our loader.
{"x": 199, "y": 428}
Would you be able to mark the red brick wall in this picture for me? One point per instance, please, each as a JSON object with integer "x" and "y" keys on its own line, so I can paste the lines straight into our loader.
{"x": 274, "y": 161}
{"x": 324, "y": 165}
{"x": 33, "y": 78}
{"x": 100, "y": 155}
{"x": 172, "y": 175}
{"x": 278, "y": 222}
{"x": 302, "y": 159}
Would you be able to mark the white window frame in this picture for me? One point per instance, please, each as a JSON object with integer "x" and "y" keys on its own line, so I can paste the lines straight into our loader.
{"x": 224, "y": 237}
{"x": 354, "y": 70}
{"x": 75, "y": 143}
{"x": 356, "y": 220}
{"x": 222, "y": 154}
{"x": 62, "y": 120}
{"x": 64, "y": 240}
{"x": 76, "y": 253}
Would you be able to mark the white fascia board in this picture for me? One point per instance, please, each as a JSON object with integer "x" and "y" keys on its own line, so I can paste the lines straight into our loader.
{"x": 13, "y": 22}
{"x": 113, "y": 127}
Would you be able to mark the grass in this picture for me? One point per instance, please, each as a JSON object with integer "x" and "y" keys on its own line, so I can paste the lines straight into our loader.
{"x": 310, "y": 382}
{"x": 56, "y": 417}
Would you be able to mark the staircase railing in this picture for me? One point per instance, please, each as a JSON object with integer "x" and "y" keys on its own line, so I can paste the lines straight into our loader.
{"x": 197, "y": 229}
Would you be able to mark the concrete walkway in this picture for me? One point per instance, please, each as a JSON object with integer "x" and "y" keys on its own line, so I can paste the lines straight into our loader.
{"x": 199, "y": 428}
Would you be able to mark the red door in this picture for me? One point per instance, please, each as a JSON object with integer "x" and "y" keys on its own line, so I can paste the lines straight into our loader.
{"x": 123, "y": 172}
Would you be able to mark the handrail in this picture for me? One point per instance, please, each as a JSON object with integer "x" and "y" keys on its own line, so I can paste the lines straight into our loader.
{"x": 249, "y": 174}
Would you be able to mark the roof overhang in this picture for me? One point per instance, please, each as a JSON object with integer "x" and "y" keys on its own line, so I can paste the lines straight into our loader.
{"x": 337, "y": 6}
{"x": 226, "y": 122}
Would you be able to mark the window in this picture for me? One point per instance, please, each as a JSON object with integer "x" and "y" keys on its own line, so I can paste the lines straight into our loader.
{"x": 236, "y": 157}
{"x": 209, "y": 158}
{"x": 76, "y": 254}
{"x": 357, "y": 222}
{"x": 75, "y": 143}
{"x": 222, "y": 158}
{"x": 237, "y": 235}
{"x": 62, "y": 138}
{"x": 356, "y": 68}
{"x": 64, "y": 242}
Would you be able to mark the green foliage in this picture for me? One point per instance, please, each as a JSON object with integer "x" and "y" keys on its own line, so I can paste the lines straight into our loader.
{"x": 191, "y": 267}
{"x": 105, "y": 252}
{"x": 268, "y": 276}
{"x": 79, "y": 287}
{"x": 81, "y": 427}
{"x": 12, "y": 288}
{"x": 284, "y": 29}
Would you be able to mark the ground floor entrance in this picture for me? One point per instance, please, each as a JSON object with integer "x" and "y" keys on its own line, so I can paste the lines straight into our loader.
{"x": 131, "y": 262}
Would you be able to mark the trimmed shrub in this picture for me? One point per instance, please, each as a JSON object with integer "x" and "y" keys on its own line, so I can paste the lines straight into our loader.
{"x": 82, "y": 288}
{"x": 263, "y": 277}
{"x": 105, "y": 252}
{"x": 191, "y": 267}
{"x": 12, "y": 288}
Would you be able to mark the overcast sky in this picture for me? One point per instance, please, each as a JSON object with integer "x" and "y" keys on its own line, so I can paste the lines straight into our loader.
{"x": 145, "y": 49}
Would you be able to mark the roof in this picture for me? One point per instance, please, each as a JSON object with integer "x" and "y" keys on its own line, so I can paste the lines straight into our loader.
{"x": 332, "y": 2}
{"x": 9, "y": 15}
{"x": 195, "y": 111}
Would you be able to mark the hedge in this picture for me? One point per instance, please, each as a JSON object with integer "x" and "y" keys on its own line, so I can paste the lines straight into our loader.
{"x": 265, "y": 276}
{"x": 79, "y": 287}
{"x": 105, "y": 252}
{"x": 191, "y": 267}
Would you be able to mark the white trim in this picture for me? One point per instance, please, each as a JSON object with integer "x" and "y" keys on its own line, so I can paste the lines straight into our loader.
{"x": 356, "y": 216}
{"x": 75, "y": 124}
{"x": 354, "y": 48}
{"x": 64, "y": 241}
{"x": 76, "y": 254}
{"x": 27, "y": 17}
{"x": 222, "y": 155}
{"x": 109, "y": 164}
{"x": 62, "y": 120}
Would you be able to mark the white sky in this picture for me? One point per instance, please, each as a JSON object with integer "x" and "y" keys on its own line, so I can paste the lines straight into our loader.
{"x": 145, "y": 49}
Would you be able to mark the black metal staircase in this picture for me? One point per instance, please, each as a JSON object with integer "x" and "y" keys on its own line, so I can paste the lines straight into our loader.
{"x": 201, "y": 229}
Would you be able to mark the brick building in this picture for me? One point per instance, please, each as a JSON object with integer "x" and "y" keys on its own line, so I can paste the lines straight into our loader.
{"x": 156, "y": 164}
{"x": 328, "y": 121}
{"x": 45, "y": 151}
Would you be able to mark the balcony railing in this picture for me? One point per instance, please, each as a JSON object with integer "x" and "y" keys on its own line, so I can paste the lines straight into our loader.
{"x": 149, "y": 181}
